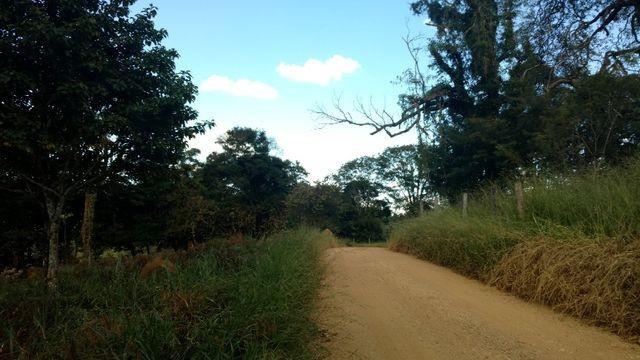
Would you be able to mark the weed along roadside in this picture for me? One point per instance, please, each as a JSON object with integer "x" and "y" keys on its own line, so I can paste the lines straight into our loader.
{"x": 569, "y": 242}
{"x": 249, "y": 300}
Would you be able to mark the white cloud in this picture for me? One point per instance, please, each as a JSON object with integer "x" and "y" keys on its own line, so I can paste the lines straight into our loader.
{"x": 323, "y": 151}
{"x": 240, "y": 87}
{"x": 319, "y": 72}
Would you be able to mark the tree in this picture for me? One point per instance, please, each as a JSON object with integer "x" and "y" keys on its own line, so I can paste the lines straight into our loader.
{"x": 362, "y": 168}
{"x": 87, "y": 91}
{"x": 135, "y": 212}
{"x": 353, "y": 211}
{"x": 190, "y": 209}
{"x": 242, "y": 141}
{"x": 249, "y": 186}
{"x": 364, "y": 213}
{"x": 400, "y": 174}
{"x": 21, "y": 228}
{"x": 461, "y": 109}
{"x": 316, "y": 205}
{"x": 405, "y": 170}
{"x": 499, "y": 78}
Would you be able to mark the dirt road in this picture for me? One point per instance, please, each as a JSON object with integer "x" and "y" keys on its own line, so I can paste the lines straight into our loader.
{"x": 378, "y": 304}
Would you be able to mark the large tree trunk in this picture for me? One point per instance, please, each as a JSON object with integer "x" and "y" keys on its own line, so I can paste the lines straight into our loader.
{"x": 54, "y": 213}
{"x": 86, "y": 231}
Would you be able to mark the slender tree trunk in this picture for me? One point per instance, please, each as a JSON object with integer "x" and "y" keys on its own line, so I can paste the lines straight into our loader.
{"x": 86, "y": 232}
{"x": 54, "y": 212}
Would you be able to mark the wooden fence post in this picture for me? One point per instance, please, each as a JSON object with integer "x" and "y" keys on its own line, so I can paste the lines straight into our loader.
{"x": 519, "y": 199}
{"x": 465, "y": 203}
{"x": 86, "y": 231}
{"x": 494, "y": 200}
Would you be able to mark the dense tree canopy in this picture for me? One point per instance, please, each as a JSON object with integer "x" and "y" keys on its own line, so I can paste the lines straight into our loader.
{"x": 87, "y": 92}
{"x": 516, "y": 86}
{"x": 315, "y": 205}
{"x": 572, "y": 35}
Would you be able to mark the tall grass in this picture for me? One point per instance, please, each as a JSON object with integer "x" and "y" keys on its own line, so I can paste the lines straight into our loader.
{"x": 471, "y": 246}
{"x": 594, "y": 205}
{"x": 576, "y": 248}
{"x": 247, "y": 301}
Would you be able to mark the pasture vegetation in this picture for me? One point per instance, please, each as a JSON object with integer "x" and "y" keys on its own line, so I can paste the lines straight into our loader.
{"x": 577, "y": 248}
{"x": 250, "y": 299}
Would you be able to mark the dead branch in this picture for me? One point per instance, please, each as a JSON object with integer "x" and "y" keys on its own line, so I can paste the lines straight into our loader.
{"x": 413, "y": 106}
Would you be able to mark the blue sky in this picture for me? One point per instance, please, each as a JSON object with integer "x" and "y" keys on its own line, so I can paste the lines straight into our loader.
{"x": 248, "y": 58}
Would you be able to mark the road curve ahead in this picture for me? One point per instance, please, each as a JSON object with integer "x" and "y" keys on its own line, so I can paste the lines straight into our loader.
{"x": 377, "y": 304}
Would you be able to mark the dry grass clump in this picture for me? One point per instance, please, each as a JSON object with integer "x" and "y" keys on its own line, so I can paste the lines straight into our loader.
{"x": 327, "y": 239}
{"x": 595, "y": 281}
{"x": 154, "y": 265}
{"x": 96, "y": 332}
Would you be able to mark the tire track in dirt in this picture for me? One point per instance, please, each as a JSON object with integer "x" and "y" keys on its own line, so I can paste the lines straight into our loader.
{"x": 378, "y": 304}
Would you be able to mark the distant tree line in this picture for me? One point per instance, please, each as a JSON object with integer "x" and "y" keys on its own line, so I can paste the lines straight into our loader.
{"x": 352, "y": 210}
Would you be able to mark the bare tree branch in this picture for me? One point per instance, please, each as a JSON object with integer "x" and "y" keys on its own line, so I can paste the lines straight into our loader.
{"x": 413, "y": 106}
{"x": 380, "y": 119}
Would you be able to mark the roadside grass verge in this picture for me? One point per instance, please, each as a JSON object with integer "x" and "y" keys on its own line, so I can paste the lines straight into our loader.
{"x": 595, "y": 281}
{"x": 471, "y": 246}
{"x": 250, "y": 300}
{"x": 577, "y": 249}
